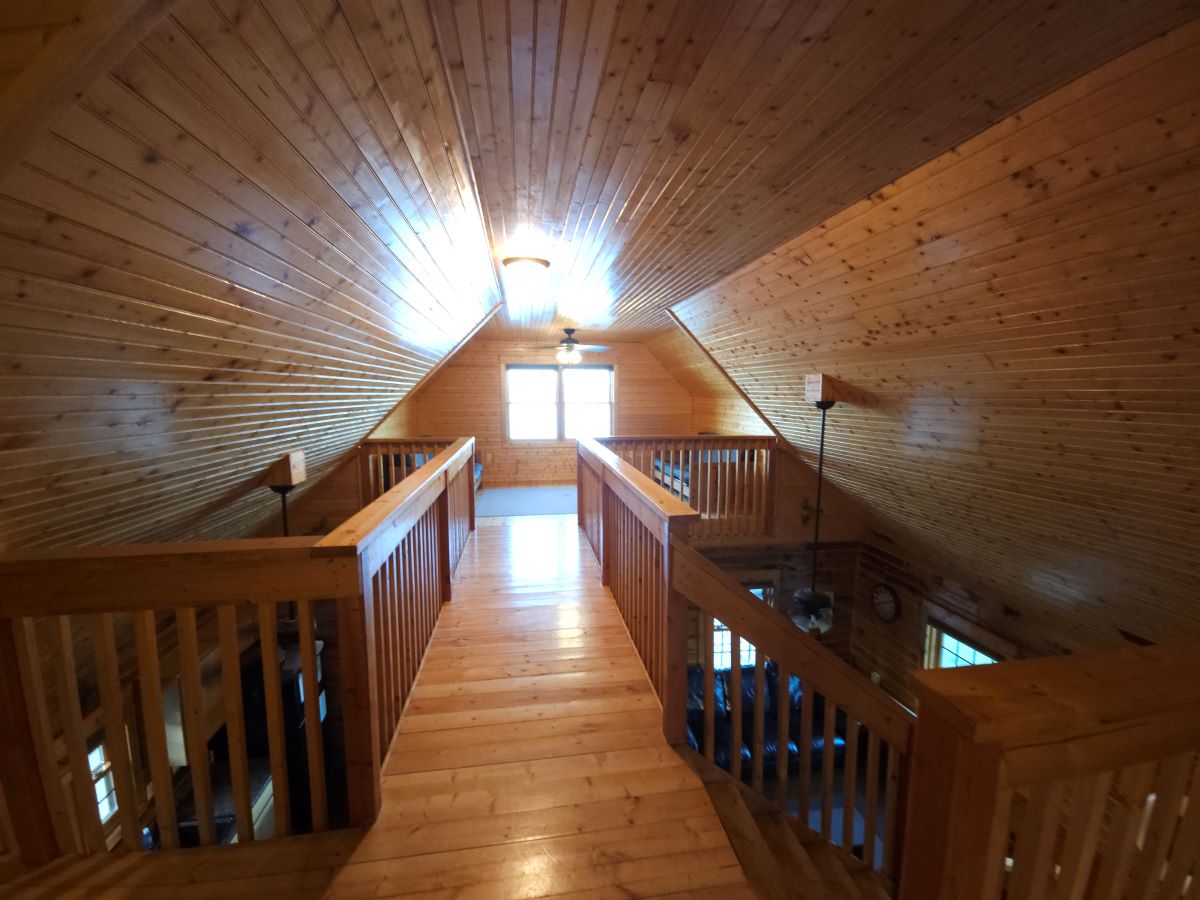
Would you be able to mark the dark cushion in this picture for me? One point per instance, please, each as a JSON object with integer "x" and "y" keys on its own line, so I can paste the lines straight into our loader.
{"x": 722, "y": 735}
{"x": 695, "y": 692}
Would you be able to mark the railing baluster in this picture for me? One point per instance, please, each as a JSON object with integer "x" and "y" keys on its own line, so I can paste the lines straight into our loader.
{"x": 235, "y": 720}
{"x": 872, "y": 799}
{"x": 783, "y": 717}
{"x": 760, "y": 708}
{"x": 710, "y": 709}
{"x": 850, "y": 782}
{"x": 829, "y": 734}
{"x": 194, "y": 734}
{"x": 116, "y": 739}
{"x": 891, "y": 807}
{"x": 268, "y": 625}
{"x": 150, "y": 680}
{"x": 735, "y": 704}
{"x": 67, "y": 687}
{"x": 807, "y": 704}
{"x": 312, "y": 717}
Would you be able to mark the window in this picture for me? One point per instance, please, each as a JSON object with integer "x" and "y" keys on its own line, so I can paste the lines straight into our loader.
{"x": 102, "y": 779}
{"x": 554, "y": 403}
{"x": 723, "y": 648}
{"x": 946, "y": 650}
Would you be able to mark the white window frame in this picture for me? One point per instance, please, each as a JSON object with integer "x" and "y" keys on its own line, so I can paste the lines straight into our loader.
{"x": 559, "y": 399}
{"x": 722, "y": 649}
{"x": 940, "y": 623}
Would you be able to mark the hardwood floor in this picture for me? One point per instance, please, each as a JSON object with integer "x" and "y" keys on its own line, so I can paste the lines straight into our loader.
{"x": 530, "y": 762}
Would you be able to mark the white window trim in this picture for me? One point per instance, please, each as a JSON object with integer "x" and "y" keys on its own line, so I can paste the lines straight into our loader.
{"x": 560, "y": 402}
{"x": 965, "y": 629}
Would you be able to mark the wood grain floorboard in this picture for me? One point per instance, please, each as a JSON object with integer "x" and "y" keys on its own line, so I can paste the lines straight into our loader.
{"x": 529, "y": 762}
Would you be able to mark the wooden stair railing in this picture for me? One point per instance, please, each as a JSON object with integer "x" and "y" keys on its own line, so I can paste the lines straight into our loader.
{"x": 147, "y": 617}
{"x": 840, "y": 711}
{"x": 1067, "y": 778}
{"x": 730, "y": 480}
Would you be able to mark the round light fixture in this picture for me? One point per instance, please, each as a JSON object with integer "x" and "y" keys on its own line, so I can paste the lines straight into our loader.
{"x": 568, "y": 356}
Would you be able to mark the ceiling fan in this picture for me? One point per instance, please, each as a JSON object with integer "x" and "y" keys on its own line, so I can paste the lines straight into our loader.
{"x": 570, "y": 350}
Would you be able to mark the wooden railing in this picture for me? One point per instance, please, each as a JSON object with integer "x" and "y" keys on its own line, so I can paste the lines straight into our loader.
{"x": 728, "y": 480}
{"x": 1066, "y": 778}
{"x": 850, "y": 738}
{"x": 163, "y": 634}
{"x": 385, "y": 462}
{"x": 630, "y": 522}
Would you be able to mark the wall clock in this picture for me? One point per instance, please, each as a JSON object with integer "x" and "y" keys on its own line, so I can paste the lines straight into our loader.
{"x": 886, "y": 602}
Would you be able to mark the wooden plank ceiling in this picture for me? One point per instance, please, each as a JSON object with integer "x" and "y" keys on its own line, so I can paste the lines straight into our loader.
{"x": 1023, "y": 316}
{"x": 270, "y": 218}
{"x": 647, "y": 149}
{"x": 255, "y": 234}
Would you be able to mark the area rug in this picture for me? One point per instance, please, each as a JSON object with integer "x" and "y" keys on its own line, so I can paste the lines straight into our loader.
{"x": 547, "y": 500}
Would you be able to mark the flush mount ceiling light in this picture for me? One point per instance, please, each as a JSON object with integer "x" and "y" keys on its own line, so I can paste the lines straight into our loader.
{"x": 524, "y": 262}
{"x": 526, "y": 283}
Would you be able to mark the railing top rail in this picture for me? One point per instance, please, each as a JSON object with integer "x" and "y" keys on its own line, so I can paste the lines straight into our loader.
{"x": 1073, "y": 714}
{"x": 652, "y": 496}
{"x": 129, "y": 577}
{"x": 167, "y": 576}
{"x": 400, "y": 506}
{"x": 161, "y": 548}
{"x": 408, "y": 440}
{"x": 748, "y": 438}
{"x": 713, "y": 590}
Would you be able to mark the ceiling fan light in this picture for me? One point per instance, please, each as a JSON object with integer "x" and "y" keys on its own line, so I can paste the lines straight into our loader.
{"x": 568, "y": 356}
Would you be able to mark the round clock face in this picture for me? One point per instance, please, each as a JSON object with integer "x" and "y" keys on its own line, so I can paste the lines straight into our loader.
{"x": 886, "y": 602}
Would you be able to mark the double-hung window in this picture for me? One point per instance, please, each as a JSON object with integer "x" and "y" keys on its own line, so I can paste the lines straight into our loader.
{"x": 555, "y": 403}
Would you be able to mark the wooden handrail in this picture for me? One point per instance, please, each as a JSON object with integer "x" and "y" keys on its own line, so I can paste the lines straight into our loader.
{"x": 630, "y": 522}
{"x": 717, "y": 593}
{"x": 420, "y": 439}
{"x": 1009, "y": 758}
{"x": 396, "y": 510}
{"x": 729, "y": 479}
{"x": 637, "y": 489}
{"x": 169, "y": 576}
{"x": 768, "y": 439}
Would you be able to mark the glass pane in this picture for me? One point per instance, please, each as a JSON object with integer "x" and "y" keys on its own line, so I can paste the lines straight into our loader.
{"x": 587, "y": 420}
{"x": 587, "y": 385}
{"x": 533, "y": 421}
{"x": 532, "y": 386}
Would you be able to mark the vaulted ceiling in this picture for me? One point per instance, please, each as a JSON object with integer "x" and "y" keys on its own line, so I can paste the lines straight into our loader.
{"x": 232, "y": 228}
{"x": 648, "y": 148}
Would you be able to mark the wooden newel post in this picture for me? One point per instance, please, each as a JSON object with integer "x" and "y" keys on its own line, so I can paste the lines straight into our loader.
{"x": 360, "y": 702}
{"x": 675, "y": 638}
{"x": 957, "y": 815}
{"x": 19, "y": 773}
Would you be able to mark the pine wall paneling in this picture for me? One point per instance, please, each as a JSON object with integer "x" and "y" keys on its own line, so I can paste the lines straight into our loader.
{"x": 648, "y": 149}
{"x": 1022, "y": 316}
{"x": 254, "y": 235}
{"x": 716, "y": 405}
{"x": 466, "y": 398}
